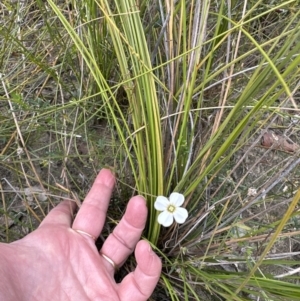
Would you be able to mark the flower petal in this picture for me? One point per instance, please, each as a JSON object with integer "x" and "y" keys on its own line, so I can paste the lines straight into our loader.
{"x": 180, "y": 215}
{"x": 165, "y": 218}
{"x": 176, "y": 199}
{"x": 161, "y": 203}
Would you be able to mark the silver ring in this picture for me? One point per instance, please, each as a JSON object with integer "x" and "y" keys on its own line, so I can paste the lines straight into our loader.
{"x": 86, "y": 234}
{"x": 110, "y": 261}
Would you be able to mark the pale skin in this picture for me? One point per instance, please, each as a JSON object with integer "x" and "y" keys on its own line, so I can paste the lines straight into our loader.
{"x": 57, "y": 263}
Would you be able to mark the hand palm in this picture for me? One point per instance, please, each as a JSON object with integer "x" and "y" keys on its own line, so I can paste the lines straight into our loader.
{"x": 56, "y": 262}
{"x": 62, "y": 260}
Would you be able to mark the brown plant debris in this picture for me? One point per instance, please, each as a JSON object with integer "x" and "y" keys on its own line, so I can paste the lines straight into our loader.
{"x": 271, "y": 140}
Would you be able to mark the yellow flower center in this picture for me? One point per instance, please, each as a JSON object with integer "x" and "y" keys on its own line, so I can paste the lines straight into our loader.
{"x": 171, "y": 208}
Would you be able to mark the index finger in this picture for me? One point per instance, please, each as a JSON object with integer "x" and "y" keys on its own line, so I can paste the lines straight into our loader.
{"x": 92, "y": 213}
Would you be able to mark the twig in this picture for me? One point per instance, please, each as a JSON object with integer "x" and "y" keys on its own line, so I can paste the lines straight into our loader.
{"x": 292, "y": 272}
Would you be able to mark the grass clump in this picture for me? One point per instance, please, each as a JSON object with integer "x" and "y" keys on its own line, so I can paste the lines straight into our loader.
{"x": 198, "y": 97}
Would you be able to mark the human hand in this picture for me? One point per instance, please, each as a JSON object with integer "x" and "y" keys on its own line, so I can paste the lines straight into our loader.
{"x": 57, "y": 262}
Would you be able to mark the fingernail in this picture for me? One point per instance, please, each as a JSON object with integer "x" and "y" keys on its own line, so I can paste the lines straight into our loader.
{"x": 110, "y": 181}
{"x": 108, "y": 178}
{"x": 150, "y": 249}
{"x": 142, "y": 197}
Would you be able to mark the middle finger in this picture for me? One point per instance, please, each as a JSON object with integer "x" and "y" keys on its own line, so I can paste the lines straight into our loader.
{"x": 122, "y": 241}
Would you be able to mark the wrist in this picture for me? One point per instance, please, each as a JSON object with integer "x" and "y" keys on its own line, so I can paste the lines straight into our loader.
{"x": 8, "y": 273}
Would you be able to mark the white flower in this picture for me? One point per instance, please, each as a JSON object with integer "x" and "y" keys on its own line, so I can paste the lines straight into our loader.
{"x": 171, "y": 209}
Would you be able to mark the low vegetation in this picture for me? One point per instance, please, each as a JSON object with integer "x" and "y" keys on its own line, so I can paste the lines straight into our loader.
{"x": 195, "y": 97}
